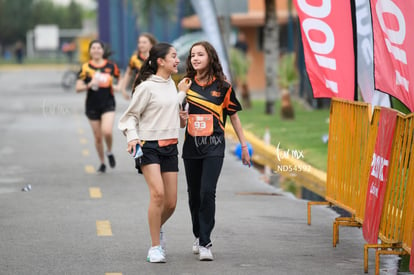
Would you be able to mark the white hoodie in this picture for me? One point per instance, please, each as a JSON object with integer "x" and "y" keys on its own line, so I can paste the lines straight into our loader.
{"x": 153, "y": 113}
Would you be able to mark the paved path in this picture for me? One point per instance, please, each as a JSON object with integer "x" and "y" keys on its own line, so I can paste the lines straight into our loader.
{"x": 45, "y": 141}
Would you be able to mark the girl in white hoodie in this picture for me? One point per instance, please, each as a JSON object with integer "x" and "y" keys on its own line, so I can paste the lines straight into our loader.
{"x": 152, "y": 121}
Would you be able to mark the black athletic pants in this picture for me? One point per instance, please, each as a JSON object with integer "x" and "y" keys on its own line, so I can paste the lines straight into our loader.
{"x": 202, "y": 176}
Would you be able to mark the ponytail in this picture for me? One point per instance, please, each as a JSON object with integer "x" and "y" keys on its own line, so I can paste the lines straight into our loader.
{"x": 150, "y": 65}
{"x": 147, "y": 69}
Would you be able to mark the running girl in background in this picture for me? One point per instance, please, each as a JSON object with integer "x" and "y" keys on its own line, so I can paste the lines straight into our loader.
{"x": 96, "y": 77}
{"x": 152, "y": 121}
{"x": 144, "y": 45}
{"x": 211, "y": 99}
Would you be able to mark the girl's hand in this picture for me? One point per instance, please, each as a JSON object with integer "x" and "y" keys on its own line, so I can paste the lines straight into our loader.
{"x": 126, "y": 95}
{"x": 184, "y": 114}
{"x": 94, "y": 81}
{"x": 183, "y": 118}
{"x": 132, "y": 146}
{"x": 116, "y": 88}
{"x": 184, "y": 84}
{"x": 246, "y": 156}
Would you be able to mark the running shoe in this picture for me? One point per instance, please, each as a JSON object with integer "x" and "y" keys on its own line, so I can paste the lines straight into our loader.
{"x": 101, "y": 168}
{"x": 205, "y": 254}
{"x": 196, "y": 246}
{"x": 156, "y": 255}
{"x": 111, "y": 160}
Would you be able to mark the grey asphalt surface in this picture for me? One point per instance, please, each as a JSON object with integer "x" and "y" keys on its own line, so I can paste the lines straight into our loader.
{"x": 52, "y": 228}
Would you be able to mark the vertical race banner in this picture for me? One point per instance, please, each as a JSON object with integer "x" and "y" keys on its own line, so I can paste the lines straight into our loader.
{"x": 378, "y": 177}
{"x": 393, "y": 48}
{"x": 365, "y": 56}
{"x": 206, "y": 12}
{"x": 326, "y": 27}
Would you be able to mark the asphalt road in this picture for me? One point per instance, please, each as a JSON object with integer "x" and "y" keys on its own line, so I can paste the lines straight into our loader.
{"x": 60, "y": 227}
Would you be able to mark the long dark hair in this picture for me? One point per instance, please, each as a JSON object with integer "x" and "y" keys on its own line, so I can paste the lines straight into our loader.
{"x": 150, "y": 65}
{"x": 214, "y": 68}
{"x": 107, "y": 49}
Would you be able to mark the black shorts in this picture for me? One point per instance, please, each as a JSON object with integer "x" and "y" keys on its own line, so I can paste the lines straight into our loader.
{"x": 96, "y": 113}
{"x": 95, "y": 109}
{"x": 166, "y": 156}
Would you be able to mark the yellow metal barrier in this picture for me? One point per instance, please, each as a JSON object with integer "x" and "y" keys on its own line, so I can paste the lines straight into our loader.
{"x": 395, "y": 210}
{"x": 409, "y": 206}
{"x": 348, "y": 140}
{"x": 373, "y": 130}
{"x": 357, "y": 218}
{"x": 395, "y": 197}
{"x": 348, "y": 164}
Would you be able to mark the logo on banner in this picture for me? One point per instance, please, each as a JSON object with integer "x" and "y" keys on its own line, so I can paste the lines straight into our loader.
{"x": 328, "y": 44}
{"x": 393, "y": 48}
{"x": 377, "y": 171}
{"x": 378, "y": 177}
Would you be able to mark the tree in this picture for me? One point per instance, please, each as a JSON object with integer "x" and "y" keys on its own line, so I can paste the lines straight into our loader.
{"x": 144, "y": 8}
{"x": 14, "y": 28}
{"x": 66, "y": 17}
{"x": 271, "y": 52}
{"x": 73, "y": 16}
{"x": 287, "y": 78}
{"x": 13, "y": 23}
{"x": 287, "y": 73}
{"x": 44, "y": 12}
{"x": 239, "y": 65}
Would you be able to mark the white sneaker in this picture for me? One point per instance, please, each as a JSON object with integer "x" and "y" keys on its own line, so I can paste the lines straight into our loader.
{"x": 196, "y": 246}
{"x": 156, "y": 255}
{"x": 163, "y": 240}
{"x": 205, "y": 254}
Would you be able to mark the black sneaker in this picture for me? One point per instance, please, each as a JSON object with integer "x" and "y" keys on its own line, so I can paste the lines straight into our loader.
{"x": 111, "y": 159}
{"x": 102, "y": 168}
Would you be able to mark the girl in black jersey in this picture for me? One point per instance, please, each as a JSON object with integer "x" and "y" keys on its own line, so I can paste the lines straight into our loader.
{"x": 144, "y": 45}
{"x": 97, "y": 78}
{"x": 211, "y": 99}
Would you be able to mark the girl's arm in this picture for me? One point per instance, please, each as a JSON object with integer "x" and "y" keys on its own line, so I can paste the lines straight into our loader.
{"x": 183, "y": 87}
{"x": 130, "y": 118}
{"x": 117, "y": 87}
{"x": 235, "y": 121}
{"x": 123, "y": 83}
{"x": 81, "y": 86}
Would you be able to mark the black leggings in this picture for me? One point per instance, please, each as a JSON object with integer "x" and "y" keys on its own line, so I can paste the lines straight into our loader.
{"x": 202, "y": 176}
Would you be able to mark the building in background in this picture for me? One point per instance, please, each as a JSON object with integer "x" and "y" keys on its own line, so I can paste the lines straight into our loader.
{"x": 248, "y": 16}
{"x": 118, "y": 26}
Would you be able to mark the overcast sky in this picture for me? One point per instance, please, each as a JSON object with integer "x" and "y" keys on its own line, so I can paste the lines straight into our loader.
{"x": 91, "y": 4}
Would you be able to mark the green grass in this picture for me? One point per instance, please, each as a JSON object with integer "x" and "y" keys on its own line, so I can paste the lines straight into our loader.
{"x": 304, "y": 133}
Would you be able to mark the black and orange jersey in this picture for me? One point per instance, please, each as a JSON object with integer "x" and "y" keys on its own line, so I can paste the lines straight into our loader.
{"x": 209, "y": 106}
{"x": 107, "y": 72}
{"x": 135, "y": 62}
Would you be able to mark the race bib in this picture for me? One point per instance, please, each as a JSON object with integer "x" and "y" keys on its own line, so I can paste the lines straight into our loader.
{"x": 104, "y": 80}
{"x": 200, "y": 125}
